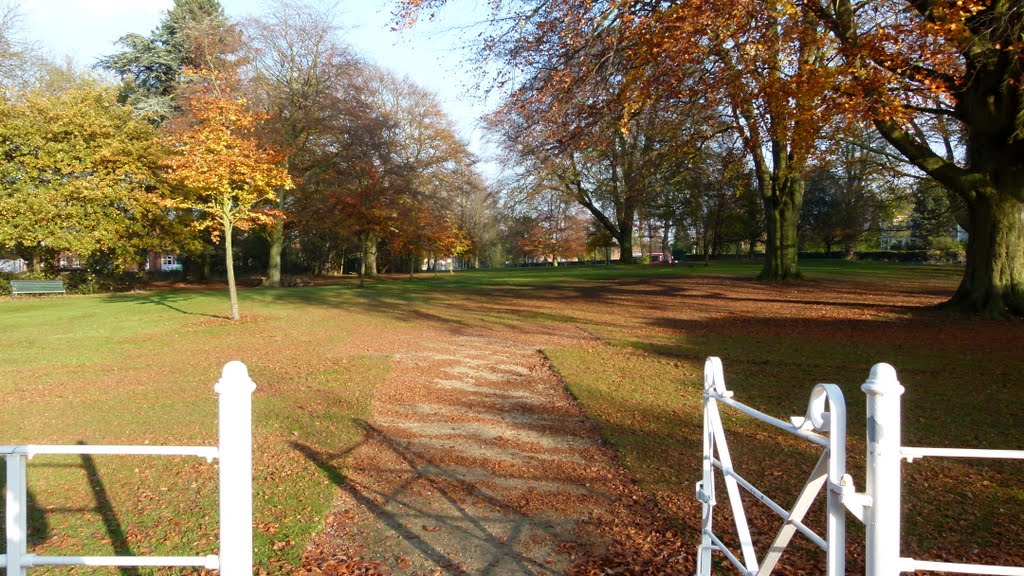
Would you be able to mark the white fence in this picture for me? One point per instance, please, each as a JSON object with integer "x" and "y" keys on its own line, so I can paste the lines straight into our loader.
{"x": 878, "y": 507}
{"x": 234, "y": 451}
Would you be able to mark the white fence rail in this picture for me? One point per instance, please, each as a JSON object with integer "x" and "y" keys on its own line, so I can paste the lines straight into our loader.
{"x": 234, "y": 451}
{"x": 878, "y": 507}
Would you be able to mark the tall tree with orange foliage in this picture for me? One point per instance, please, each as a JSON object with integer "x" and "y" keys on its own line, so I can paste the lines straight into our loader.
{"x": 764, "y": 67}
{"x": 227, "y": 175}
{"x": 919, "y": 61}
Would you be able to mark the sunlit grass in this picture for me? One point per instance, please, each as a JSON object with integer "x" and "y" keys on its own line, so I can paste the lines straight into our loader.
{"x": 140, "y": 369}
{"x": 137, "y": 368}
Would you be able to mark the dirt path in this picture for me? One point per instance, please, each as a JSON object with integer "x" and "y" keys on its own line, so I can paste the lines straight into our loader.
{"x": 477, "y": 461}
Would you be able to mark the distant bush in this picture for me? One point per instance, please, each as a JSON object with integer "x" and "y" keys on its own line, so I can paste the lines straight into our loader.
{"x": 944, "y": 250}
{"x": 903, "y": 256}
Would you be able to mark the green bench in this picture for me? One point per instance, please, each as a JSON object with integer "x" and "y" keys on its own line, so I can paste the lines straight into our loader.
{"x": 36, "y": 287}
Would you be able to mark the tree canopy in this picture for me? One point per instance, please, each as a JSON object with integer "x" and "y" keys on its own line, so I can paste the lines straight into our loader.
{"x": 79, "y": 175}
{"x": 225, "y": 172}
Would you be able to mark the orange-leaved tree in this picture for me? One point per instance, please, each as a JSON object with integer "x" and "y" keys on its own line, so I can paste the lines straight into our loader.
{"x": 228, "y": 176}
{"x": 929, "y": 62}
{"x": 762, "y": 69}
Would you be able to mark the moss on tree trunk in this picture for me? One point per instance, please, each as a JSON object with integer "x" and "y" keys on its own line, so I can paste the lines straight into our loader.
{"x": 782, "y": 212}
{"x": 993, "y": 281}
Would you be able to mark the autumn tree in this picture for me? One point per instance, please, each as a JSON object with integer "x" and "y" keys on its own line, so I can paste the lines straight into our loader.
{"x": 475, "y": 205}
{"x": 297, "y": 69}
{"x": 354, "y": 194}
{"x": 936, "y": 60}
{"x": 546, "y": 223}
{"x": 763, "y": 67}
{"x": 609, "y": 174}
{"x": 228, "y": 175}
{"x": 78, "y": 174}
{"x": 766, "y": 68}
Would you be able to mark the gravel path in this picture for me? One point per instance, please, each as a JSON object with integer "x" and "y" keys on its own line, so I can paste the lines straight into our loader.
{"x": 477, "y": 461}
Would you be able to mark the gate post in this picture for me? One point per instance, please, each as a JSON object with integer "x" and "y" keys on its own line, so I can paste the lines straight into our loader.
{"x": 16, "y": 516}
{"x": 235, "y": 454}
{"x": 883, "y": 483}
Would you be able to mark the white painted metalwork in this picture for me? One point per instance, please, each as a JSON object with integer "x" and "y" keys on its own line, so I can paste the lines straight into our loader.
{"x": 911, "y": 453}
{"x": 234, "y": 451}
{"x": 826, "y": 412}
{"x": 31, "y": 450}
{"x": 885, "y": 453}
{"x": 211, "y": 562}
{"x": 878, "y": 507}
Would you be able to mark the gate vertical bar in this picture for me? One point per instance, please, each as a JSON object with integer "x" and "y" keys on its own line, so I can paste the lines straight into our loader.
{"x": 836, "y": 510}
{"x": 16, "y": 517}
{"x": 706, "y": 491}
{"x": 235, "y": 453}
{"x": 883, "y": 483}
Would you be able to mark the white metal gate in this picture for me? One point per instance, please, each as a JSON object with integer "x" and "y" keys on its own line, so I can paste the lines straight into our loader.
{"x": 234, "y": 452}
{"x": 878, "y": 507}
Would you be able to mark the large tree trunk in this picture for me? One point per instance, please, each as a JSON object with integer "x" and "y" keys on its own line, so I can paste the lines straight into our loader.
{"x": 625, "y": 238}
{"x": 276, "y": 244}
{"x": 276, "y": 248}
{"x": 666, "y": 248}
{"x": 993, "y": 281}
{"x": 370, "y": 252}
{"x": 229, "y": 261}
{"x": 782, "y": 211}
{"x": 362, "y": 266}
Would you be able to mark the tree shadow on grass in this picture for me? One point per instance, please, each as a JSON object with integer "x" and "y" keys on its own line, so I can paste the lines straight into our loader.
{"x": 173, "y": 301}
{"x": 403, "y": 517}
{"x": 39, "y": 526}
{"x": 105, "y": 508}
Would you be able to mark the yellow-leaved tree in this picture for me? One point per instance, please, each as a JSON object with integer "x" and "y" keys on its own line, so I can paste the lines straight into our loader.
{"x": 225, "y": 173}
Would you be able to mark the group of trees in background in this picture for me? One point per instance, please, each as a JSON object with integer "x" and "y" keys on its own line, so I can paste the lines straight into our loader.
{"x": 621, "y": 99}
{"x": 708, "y": 126}
{"x": 269, "y": 128}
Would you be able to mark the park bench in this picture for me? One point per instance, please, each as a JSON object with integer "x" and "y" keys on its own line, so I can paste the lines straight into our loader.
{"x": 36, "y": 287}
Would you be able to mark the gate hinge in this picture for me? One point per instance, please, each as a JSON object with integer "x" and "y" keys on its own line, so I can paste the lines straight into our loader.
{"x": 704, "y": 496}
{"x": 856, "y": 502}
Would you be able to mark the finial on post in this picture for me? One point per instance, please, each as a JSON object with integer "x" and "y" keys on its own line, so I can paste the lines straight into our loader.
{"x": 882, "y": 380}
{"x": 234, "y": 378}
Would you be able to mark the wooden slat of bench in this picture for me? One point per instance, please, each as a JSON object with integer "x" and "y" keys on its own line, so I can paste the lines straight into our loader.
{"x": 37, "y": 287}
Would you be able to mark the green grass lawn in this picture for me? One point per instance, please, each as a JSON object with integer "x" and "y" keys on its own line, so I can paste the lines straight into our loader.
{"x": 139, "y": 368}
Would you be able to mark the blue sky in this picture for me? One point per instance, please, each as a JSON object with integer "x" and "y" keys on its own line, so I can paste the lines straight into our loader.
{"x": 429, "y": 54}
